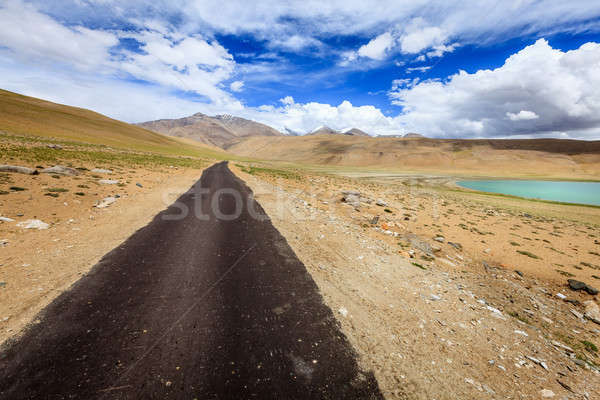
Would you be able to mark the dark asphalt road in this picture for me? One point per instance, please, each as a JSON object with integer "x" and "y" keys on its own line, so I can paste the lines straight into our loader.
{"x": 190, "y": 308}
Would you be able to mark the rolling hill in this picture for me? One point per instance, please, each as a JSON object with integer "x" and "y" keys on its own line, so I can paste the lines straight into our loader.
{"x": 23, "y": 115}
{"x": 489, "y": 157}
{"x": 221, "y": 130}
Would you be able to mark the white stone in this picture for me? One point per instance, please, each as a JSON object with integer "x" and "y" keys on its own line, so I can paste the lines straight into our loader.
{"x": 33, "y": 224}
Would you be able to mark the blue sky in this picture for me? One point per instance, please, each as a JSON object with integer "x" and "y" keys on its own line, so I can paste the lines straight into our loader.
{"x": 522, "y": 68}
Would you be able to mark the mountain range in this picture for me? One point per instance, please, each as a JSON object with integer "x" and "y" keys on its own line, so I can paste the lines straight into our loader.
{"x": 220, "y": 130}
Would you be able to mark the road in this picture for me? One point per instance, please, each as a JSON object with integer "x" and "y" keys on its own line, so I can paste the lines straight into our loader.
{"x": 196, "y": 304}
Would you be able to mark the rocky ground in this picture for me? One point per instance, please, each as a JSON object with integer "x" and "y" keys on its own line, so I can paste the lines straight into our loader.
{"x": 420, "y": 286}
{"x": 55, "y": 225}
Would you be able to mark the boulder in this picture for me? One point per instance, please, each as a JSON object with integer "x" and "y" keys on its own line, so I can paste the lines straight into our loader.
{"x": 578, "y": 285}
{"x": 106, "y": 202}
{"x": 18, "y": 170}
{"x": 592, "y": 311}
{"x": 60, "y": 170}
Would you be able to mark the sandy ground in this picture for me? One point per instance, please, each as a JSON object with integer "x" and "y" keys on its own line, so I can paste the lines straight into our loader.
{"x": 447, "y": 326}
{"x": 37, "y": 265}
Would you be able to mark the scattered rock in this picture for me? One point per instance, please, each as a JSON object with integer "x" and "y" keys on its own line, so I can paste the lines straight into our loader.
{"x": 561, "y": 296}
{"x": 60, "y": 170}
{"x": 519, "y": 273}
{"x": 139, "y": 185}
{"x": 440, "y": 239}
{"x": 577, "y": 314}
{"x": 6, "y": 219}
{"x": 108, "y": 182}
{"x": 522, "y": 333}
{"x": 546, "y": 393}
{"x": 562, "y": 346}
{"x": 592, "y": 311}
{"x": 33, "y": 224}
{"x": 106, "y": 202}
{"x": 18, "y": 169}
{"x": 538, "y": 362}
{"x": 457, "y": 246}
{"x": 417, "y": 242}
{"x": 375, "y": 220}
{"x": 381, "y": 203}
{"x": 101, "y": 171}
{"x": 578, "y": 285}
{"x": 54, "y": 146}
{"x": 343, "y": 312}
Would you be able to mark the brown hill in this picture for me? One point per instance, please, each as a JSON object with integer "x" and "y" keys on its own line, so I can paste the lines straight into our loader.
{"x": 220, "y": 130}
{"x": 25, "y": 115}
{"x": 494, "y": 157}
{"x": 323, "y": 130}
{"x": 355, "y": 132}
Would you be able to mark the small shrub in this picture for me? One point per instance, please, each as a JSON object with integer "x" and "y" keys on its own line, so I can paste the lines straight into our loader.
{"x": 528, "y": 254}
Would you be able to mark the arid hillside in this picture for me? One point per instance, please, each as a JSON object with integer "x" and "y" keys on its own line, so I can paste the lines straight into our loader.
{"x": 221, "y": 130}
{"x": 535, "y": 157}
{"x": 29, "y": 116}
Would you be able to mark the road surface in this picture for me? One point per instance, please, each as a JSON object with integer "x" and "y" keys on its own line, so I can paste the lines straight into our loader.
{"x": 194, "y": 305}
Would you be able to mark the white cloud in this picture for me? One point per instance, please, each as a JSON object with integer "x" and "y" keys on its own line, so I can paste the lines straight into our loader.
{"x": 544, "y": 89}
{"x": 237, "y": 86}
{"x": 378, "y": 47}
{"x": 168, "y": 58}
{"x": 295, "y": 42}
{"x": 523, "y": 115}
{"x": 31, "y": 36}
{"x": 304, "y": 117}
{"x": 418, "y": 69}
{"x": 417, "y": 39}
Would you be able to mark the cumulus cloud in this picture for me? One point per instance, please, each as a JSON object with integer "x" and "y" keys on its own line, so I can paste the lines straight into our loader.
{"x": 378, "y": 47}
{"x": 537, "y": 90}
{"x": 33, "y": 36}
{"x": 522, "y": 115}
{"x": 304, "y": 117}
{"x": 236, "y": 86}
{"x": 165, "y": 57}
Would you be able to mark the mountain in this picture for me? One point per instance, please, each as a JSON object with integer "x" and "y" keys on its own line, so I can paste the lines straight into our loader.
{"x": 551, "y": 158}
{"x": 323, "y": 130}
{"x": 355, "y": 132}
{"x": 412, "y": 135}
{"x": 23, "y": 115}
{"x": 220, "y": 130}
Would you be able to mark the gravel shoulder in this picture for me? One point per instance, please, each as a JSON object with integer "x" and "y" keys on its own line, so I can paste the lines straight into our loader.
{"x": 431, "y": 319}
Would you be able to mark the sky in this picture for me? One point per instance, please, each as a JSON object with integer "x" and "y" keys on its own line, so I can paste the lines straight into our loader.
{"x": 448, "y": 69}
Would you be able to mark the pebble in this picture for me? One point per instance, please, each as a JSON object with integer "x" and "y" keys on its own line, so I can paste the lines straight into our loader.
{"x": 440, "y": 239}
{"x": 106, "y": 202}
{"x": 3, "y": 242}
{"x": 108, "y": 182}
{"x": 546, "y": 393}
{"x": 521, "y": 333}
{"x": 561, "y": 296}
{"x": 343, "y": 311}
{"x": 139, "y": 185}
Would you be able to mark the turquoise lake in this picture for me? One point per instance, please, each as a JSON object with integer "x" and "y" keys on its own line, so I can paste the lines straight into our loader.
{"x": 568, "y": 192}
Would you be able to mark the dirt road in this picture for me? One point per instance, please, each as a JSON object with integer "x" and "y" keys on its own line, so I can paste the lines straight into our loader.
{"x": 201, "y": 303}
